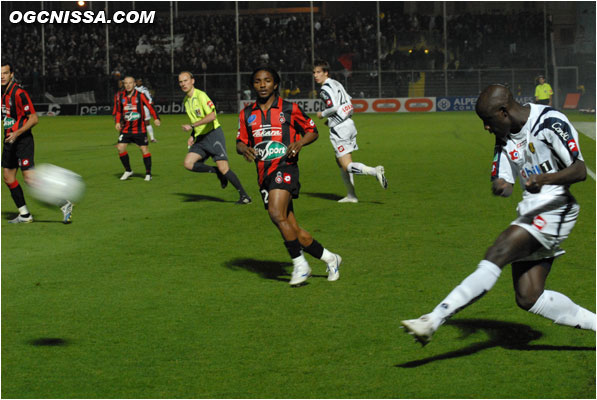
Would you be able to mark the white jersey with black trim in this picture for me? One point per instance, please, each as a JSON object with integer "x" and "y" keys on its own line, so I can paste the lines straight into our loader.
{"x": 546, "y": 143}
{"x": 145, "y": 91}
{"x": 338, "y": 107}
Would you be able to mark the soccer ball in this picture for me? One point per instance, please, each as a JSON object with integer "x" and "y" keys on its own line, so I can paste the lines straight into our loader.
{"x": 55, "y": 185}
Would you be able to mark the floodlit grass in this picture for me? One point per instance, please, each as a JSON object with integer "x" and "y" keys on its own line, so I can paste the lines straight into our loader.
{"x": 166, "y": 289}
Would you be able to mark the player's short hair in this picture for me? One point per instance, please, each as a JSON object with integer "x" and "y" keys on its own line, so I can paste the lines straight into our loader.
{"x": 324, "y": 65}
{"x": 128, "y": 76}
{"x": 269, "y": 69}
{"x": 187, "y": 72}
{"x": 10, "y": 67}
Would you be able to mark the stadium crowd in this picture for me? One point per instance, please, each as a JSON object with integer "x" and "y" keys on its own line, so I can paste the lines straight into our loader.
{"x": 207, "y": 44}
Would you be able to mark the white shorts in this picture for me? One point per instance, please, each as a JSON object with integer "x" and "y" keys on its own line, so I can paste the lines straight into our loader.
{"x": 550, "y": 220}
{"x": 344, "y": 138}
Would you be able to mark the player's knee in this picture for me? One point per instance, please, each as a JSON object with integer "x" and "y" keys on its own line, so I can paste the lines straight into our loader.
{"x": 224, "y": 168}
{"x": 277, "y": 216}
{"x": 498, "y": 254}
{"x": 188, "y": 164}
{"x": 526, "y": 300}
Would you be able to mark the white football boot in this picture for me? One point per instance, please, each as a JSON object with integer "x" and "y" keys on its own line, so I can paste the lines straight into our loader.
{"x": 147, "y": 177}
{"x": 334, "y": 268}
{"x": 300, "y": 273}
{"x": 21, "y": 220}
{"x": 126, "y": 175}
{"x": 381, "y": 177}
{"x": 421, "y": 328}
{"x": 348, "y": 199}
{"x": 67, "y": 212}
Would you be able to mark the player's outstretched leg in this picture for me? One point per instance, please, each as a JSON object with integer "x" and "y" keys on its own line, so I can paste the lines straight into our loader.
{"x": 471, "y": 289}
{"x": 362, "y": 169}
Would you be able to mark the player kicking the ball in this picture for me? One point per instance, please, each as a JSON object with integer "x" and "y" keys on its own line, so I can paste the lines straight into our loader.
{"x": 538, "y": 144}
{"x": 343, "y": 133}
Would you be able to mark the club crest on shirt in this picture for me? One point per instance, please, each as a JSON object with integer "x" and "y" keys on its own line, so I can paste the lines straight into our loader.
{"x": 282, "y": 119}
{"x": 532, "y": 147}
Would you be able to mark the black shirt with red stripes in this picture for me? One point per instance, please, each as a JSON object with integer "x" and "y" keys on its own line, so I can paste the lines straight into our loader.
{"x": 270, "y": 133}
{"x": 16, "y": 109}
{"x": 129, "y": 112}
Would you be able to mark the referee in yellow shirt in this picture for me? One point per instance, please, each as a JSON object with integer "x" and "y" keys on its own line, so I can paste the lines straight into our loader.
{"x": 543, "y": 92}
{"x": 207, "y": 137}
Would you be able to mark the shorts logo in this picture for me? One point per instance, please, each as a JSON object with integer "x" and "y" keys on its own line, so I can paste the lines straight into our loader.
{"x": 340, "y": 149}
{"x": 282, "y": 119}
{"x": 24, "y": 162}
{"x": 287, "y": 178}
{"x": 278, "y": 178}
{"x": 539, "y": 222}
{"x": 270, "y": 150}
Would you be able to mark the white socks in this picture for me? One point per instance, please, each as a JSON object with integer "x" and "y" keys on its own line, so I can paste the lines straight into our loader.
{"x": 360, "y": 169}
{"x": 348, "y": 179}
{"x": 470, "y": 289}
{"x": 23, "y": 210}
{"x": 299, "y": 260}
{"x": 150, "y": 131}
{"x": 563, "y": 311}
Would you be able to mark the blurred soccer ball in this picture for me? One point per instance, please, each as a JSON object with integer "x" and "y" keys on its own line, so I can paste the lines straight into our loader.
{"x": 55, "y": 185}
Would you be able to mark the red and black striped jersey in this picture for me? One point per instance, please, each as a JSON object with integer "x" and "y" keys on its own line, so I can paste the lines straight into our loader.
{"x": 16, "y": 108}
{"x": 270, "y": 133}
{"x": 129, "y": 111}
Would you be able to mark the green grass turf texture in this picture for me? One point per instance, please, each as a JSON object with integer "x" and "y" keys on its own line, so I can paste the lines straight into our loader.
{"x": 167, "y": 289}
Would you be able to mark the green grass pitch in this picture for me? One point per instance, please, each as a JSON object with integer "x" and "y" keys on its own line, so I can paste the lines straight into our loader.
{"x": 167, "y": 289}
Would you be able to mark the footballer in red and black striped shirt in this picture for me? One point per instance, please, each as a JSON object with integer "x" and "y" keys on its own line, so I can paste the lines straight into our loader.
{"x": 272, "y": 132}
{"x": 18, "y": 115}
{"x": 130, "y": 122}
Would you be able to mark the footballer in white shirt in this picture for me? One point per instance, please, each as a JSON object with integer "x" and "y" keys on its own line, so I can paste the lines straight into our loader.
{"x": 145, "y": 91}
{"x": 343, "y": 133}
{"x": 539, "y": 146}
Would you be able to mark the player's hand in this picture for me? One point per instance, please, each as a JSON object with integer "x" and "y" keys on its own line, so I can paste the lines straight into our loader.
{"x": 118, "y": 126}
{"x": 187, "y": 128}
{"x": 500, "y": 187}
{"x": 294, "y": 149}
{"x": 11, "y": 137}
{"x": 250, "y": 154}
{"x": 190, "y": 141}
{"x": 533, "y": 184}
{"x": 157, "y": 122}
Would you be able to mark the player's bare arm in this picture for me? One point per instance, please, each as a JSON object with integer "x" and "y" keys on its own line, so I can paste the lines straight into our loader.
{"x": 247, "y": 152}
{"x": 576, "y": 172}
{"x": 31, "y": 122}
{"x": 500, "y": 187}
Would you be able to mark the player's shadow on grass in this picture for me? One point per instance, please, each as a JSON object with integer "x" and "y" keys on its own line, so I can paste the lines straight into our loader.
{"x": 332, "y": 197}
{"x": 7, "y": 215}
{"x": 49, "y": 342}
{"x": 188, "y": 197}
{"x": 507, "y": 335}
{"x": 275, "y": 270}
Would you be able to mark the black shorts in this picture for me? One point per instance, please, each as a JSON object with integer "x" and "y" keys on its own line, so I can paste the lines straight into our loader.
{"x": 19, "y": 154}
{"x": 285, "y": 178}
{"x": 140, "y": 139}
{"x": 212, "y": 144}
{"x": 544, "y": 102}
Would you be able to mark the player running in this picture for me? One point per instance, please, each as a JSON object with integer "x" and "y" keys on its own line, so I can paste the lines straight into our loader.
{"x": 272, "y": 132}
{"x": 19, "y": 117}
{"x": 145, "y": 91}
{"x": 129, "y": 106}
{"x": 207, "y": 137}
{"x": 343, "y": 132}
{"x": 540, "y": 146}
